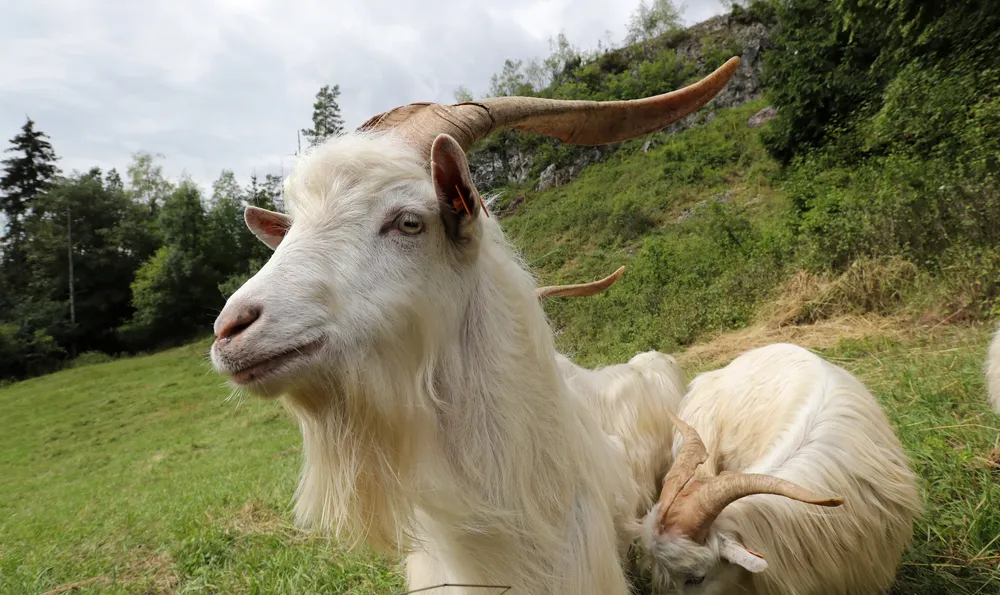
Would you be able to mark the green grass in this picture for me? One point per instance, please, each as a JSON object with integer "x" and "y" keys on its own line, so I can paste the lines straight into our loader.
{"x": 140, "y": 472}
{"x": 933, "y": 391}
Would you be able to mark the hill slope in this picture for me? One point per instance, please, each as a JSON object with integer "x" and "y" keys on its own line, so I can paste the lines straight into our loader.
{"x": 139, "y": 476}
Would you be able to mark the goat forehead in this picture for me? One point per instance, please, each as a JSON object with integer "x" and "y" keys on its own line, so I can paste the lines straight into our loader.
{"x": 348, "y": 174}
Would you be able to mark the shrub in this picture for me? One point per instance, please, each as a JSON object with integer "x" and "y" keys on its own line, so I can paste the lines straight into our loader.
{"x": 89, "y": 358}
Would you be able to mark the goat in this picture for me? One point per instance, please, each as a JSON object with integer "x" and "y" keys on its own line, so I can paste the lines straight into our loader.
{"x": 776, "y": 419}
{"x": 629, "y": 399}
{"x": 993, "y": 372}
{"x": 406, "y": 335}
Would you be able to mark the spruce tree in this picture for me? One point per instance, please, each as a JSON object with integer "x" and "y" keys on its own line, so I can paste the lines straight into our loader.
{"x": 326, "y": 116}
{"x": 26, "y": 175}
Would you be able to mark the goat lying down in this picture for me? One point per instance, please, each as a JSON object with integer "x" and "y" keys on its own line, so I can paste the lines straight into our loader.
{"x": 993, "y": 372}
{"x": 788, "y": 465}
{"x": 400, "y": 327}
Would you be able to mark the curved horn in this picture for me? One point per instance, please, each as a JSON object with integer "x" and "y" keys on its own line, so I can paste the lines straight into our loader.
{"x": 579, "y": 289}
{"x": 692, "y": 515}
{"x": 689, "y": 507}
{"x": 692, "y": 454}
{"x": 571, "y": 121}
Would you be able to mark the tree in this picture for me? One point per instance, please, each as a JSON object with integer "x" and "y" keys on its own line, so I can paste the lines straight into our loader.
{"x": 229, "y": 242}
{"x": 273, "y": 188}
{"x": 260, "y": 195}
{"x": 146, "y": 182}
{"x": 82, "y": 254}
{"x": 252, "y": 252}
{"x": 114, "y": 181}
{"x": 564, "y": 57}
{"x": 649, "y": 21}
{"x": 326, "y": 116}
{"x": 175, "y": 292}
{"x": 515, "y": 79}
{"x": 25, "y": 177}
{"x": 147, "y": 188}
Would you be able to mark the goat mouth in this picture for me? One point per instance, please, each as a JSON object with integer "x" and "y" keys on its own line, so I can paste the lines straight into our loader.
{"x": 272, "y": 365}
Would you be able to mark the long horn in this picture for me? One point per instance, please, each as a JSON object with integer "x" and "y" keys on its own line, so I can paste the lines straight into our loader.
{"x": 571, "y": 121}
{"x": 692, "y": 515}
{"x": 692, "y": 454}
{"x": 579, "y": 289}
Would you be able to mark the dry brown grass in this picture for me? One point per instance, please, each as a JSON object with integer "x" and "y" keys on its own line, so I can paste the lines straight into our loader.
{"x": 869, "y": 286}
{"x": 823, "y": 334}
{"x": 253, "y": 518}
{"x": 153, "y": 572}
{"x": 817, "y": 313}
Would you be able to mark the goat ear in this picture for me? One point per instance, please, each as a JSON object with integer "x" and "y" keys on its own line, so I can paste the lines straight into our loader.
{"x": 741, "y": 556}
{"x": 269, "y": 227}
{"x": 457, "y": 195}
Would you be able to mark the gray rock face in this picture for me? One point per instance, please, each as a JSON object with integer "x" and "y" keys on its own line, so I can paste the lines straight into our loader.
{"x": 555, "y": 176}
{"x": 762, "y": 117}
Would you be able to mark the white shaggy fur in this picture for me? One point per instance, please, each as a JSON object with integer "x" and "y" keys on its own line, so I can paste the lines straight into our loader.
{"x": 781, "y": 410}
{"x": 993, "y": 372}
{"x": 629, "y": 401}
{"x": 435, "y": 416}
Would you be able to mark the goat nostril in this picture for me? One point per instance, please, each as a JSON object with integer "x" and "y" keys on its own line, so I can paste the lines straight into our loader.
{"x": 237, "y": 324}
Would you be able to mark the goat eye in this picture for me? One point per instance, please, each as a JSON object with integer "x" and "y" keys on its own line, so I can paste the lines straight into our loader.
{"x": 409, "y": 224}
{"x": 694, "y": 580}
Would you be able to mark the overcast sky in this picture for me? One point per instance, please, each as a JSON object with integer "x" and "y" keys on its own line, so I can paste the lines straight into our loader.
{"x": 214, "y": 84}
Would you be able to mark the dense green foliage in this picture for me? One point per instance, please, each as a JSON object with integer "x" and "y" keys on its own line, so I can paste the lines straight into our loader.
{"x": 889, "y": 121}
{"x": 151, "y": 263}
{"x": 93, "y": 264}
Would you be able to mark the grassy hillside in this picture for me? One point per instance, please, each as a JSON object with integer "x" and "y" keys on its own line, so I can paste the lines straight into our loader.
{"x": 697, "y": 221}
{"x": 139, "y": 476}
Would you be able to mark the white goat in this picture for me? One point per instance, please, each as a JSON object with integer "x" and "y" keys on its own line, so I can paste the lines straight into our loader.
{"x": 778, "y": 420}
{"x": 406, "y": 335}
{"x": 993, "y": 372}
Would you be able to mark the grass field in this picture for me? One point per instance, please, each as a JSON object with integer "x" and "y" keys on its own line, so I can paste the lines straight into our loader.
{"x": 139, "y": 476}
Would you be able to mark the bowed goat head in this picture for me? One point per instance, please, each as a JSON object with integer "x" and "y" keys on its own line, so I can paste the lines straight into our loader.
{"x": 688, "y": 556}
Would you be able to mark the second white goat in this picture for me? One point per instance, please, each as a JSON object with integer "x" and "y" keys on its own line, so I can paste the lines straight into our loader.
{"x": 759, "y": 437}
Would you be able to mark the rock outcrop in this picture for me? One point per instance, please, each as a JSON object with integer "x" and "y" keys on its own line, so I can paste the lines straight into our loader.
{"x": 506, "y": 163}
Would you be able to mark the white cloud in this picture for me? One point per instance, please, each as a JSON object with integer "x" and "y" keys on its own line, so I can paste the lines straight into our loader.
{"x": 215, "y": 84}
